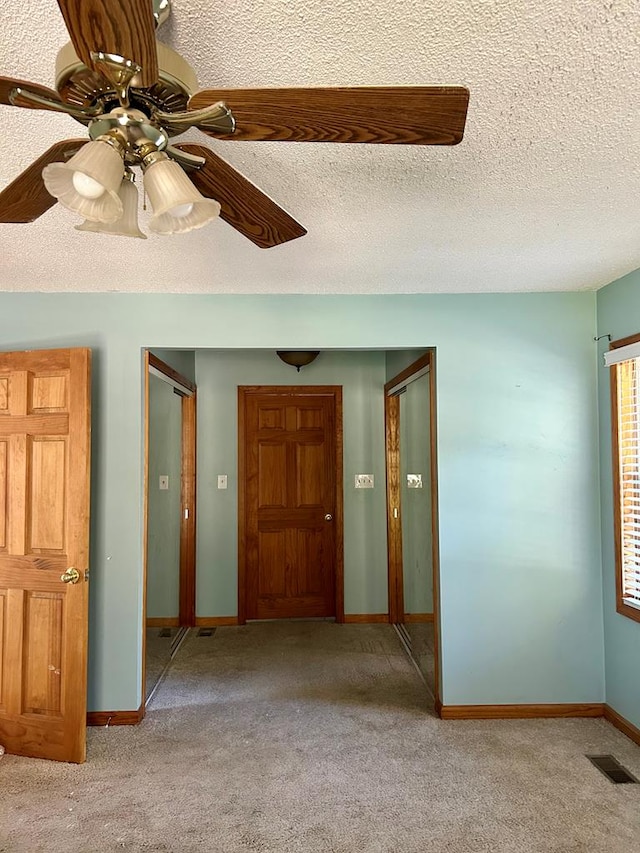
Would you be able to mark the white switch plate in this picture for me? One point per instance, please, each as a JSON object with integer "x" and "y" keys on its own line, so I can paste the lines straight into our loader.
{"x": 364, "y": 481}
{"x": 222, "y": 481}
{"x": 163, "y": 482}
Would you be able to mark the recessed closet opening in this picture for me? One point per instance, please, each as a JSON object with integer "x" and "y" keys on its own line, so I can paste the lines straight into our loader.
{"x": 170, "y": 514}
{"x": 412, "y": 529}
{"x": 294, "y": 519}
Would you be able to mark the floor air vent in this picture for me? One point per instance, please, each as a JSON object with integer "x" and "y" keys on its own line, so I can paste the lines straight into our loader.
{"x": 612, "y": 769}
{"x": 206, "y": 632}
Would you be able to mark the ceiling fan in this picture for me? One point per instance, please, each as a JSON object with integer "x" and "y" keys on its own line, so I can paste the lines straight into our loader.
{"x": 135, "y": 94}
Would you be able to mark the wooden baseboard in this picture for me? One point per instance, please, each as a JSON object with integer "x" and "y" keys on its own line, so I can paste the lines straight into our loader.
{"x": 115, "y": 718}
{"x": 163, "y": 622}
{"x": 418, "y": 617}
{"x": 215, "y": 621}
{"x": 520, "y": 712}
{"x": 364, "y": 618}
{"x": 617, "y": 720}
{"x": 447, "y": 712}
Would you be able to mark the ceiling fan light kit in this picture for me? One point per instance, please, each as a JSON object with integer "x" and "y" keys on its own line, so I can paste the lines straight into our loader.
{"x": 133, "y": 94}
{"x": 127, "y": 224}
{"x": 177, "y": 205}
{"x": 89, "y": 183}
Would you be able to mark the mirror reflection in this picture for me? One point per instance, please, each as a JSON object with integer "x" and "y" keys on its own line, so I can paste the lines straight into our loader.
{"x": 415, "y": 499}
{"x": 163, "y": 631}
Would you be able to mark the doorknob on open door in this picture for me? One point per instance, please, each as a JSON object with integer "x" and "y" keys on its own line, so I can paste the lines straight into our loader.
{"x": 328, "y": 517}
{"x": 72, "y": 575}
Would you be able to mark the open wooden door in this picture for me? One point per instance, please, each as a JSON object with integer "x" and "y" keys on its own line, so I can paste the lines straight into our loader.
{"x": 44, "y": 551}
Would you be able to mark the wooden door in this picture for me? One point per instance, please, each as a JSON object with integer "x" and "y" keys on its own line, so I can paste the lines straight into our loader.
{"x": 44, "y": 532}
{"x": 290, "y": 502}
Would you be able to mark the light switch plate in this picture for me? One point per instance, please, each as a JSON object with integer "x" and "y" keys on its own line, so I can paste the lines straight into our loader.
{"x": 414, "y": 481}
{"x": 163, "y": 482}
{"x": 364, "y": 481}
{"x": 222, "y": 481}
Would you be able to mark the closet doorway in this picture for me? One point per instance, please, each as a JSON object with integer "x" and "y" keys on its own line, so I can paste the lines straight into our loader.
{"x": 410, "y": 429}
{"x": 170, "y": 521}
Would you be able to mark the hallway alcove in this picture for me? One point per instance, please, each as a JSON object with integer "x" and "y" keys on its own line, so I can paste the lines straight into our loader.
{"x": 362, "y": 375}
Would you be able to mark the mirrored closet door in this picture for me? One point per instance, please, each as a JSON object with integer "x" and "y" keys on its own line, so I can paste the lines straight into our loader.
{"x": 408, "y": 412}
{"x": 170, "y": 524}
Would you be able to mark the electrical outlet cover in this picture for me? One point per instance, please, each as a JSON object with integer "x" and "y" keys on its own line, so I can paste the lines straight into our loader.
{"x": 364, "y": 481}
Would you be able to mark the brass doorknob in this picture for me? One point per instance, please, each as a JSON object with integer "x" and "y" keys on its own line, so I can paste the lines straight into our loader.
{"x": 328, "y": 517}
{"x": 72, "y": 575}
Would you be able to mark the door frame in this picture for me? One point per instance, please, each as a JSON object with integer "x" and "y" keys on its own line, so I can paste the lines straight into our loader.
{"x": 334, "y": 391}
{"x": 426, "y": 362}
{"x": 188, "y": 394}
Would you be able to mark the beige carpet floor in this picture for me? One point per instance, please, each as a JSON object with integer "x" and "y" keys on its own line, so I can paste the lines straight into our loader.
{"x": 318, "y": 737}
{"x": 160, "y": 646}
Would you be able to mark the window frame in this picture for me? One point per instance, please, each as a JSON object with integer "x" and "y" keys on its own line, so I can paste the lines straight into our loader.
{"x": 622, "y": 607}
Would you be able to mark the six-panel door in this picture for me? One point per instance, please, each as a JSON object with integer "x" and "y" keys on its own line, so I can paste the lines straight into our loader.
{"x": 44, "y": 532}
{"x": 290, "y": 495}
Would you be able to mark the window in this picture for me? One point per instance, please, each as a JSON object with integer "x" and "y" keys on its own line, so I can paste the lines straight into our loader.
{"x": 624, "y": 360}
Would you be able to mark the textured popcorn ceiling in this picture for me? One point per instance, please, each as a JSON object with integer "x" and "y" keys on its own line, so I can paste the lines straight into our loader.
{"x": 543, "y": 193}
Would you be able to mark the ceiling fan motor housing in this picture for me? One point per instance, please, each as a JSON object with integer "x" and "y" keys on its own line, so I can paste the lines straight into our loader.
{"x": 83, "y": 87}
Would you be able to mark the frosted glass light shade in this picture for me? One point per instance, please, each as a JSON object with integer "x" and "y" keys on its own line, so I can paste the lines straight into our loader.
{"x": 177, "y": 204}
{"x": 127, "y": 224}
{"x": 99, "y": 162}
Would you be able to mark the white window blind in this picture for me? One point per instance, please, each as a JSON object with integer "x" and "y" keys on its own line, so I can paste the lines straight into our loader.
{"x": 628, "y": 417}
{"x": 618, "y": 354}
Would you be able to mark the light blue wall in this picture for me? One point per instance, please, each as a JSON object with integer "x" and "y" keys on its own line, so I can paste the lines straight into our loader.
{"x": 165, "y": 458}
{"x": 398, "y": 360}
{"x": 519, "y": 512}
{"x": 619, "y": 316}
{"x": 182, "y": 361}
{"x": 362, "y": 376}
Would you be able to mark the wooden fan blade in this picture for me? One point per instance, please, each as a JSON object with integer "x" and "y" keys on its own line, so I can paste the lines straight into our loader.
{"x": 124, "y": 27}
{"x": 26, "y": 198}
{"x": 7, "y": 84}
{"x": 420, "y": 115}
{"x": 243, "y": 205}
